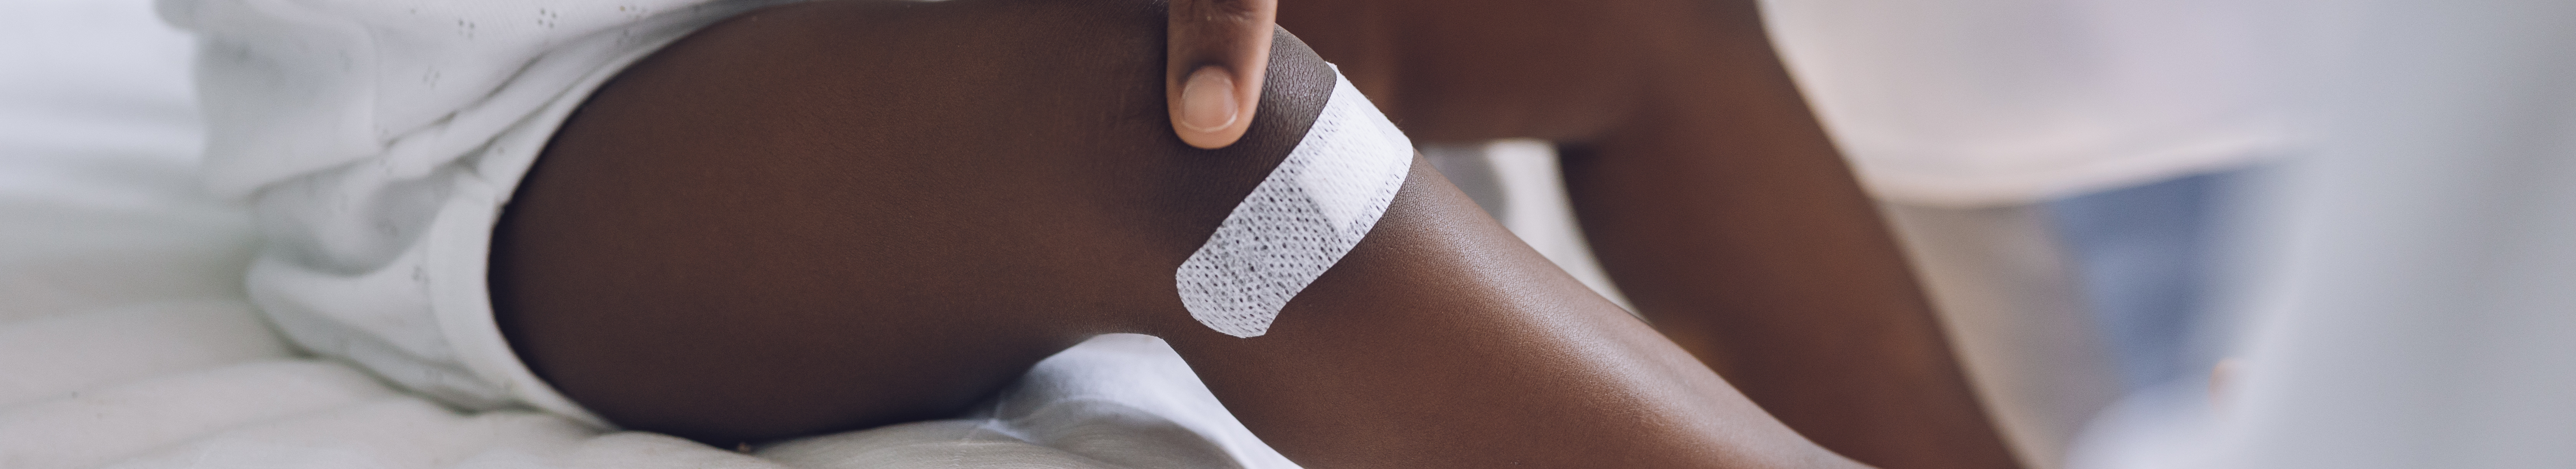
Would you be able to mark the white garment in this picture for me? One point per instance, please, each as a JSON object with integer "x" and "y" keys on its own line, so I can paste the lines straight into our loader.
{"x": 2421, "y": 310}
{"x": 378, "y": 141}
{"x": 1965, "y": 103}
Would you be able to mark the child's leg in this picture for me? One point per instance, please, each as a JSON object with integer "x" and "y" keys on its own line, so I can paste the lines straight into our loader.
{"x": 1707, "y": 189}
{"x": 842, "y": 214}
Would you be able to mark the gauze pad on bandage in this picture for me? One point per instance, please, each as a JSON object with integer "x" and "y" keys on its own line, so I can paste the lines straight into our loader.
{"x": 1302, "y": 218}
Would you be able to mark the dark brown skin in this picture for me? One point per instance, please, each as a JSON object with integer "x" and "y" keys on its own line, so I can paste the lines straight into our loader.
{"x": 837, "y": 215}
{"x": 844, "y": 214}
{"x": 1707, "y": 190}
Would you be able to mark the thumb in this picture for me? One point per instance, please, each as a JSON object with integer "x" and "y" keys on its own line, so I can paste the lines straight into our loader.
{"x": 1217, "y": 56}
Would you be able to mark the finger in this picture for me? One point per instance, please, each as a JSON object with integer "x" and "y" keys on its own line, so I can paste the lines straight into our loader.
{"x": 1217, "y": 56}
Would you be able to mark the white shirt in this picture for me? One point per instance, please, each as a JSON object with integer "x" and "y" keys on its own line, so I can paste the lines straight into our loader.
{"x": 1989, "y": 102}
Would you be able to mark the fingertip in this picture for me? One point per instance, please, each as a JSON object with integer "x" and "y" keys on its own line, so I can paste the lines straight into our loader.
{"x": 1210, "y": 112}
{"x": 1207, "y": 101}
{"x": 1223, "y": 47}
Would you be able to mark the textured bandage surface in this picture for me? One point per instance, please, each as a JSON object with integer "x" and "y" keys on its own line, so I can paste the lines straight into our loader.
{"x": 1309, "y": 212}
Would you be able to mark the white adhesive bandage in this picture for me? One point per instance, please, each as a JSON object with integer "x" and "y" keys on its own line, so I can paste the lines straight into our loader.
{"x": 1302, "y": 218}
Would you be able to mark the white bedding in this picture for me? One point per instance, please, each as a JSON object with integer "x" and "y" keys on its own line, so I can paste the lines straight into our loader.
{"x": 125, "y": 341}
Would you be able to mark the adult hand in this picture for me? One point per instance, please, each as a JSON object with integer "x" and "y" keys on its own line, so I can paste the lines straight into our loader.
{"x": 1218, "y": 52}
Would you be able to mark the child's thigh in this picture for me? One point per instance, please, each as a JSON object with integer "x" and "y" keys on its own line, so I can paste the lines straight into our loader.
{"x": 841, "y": 214}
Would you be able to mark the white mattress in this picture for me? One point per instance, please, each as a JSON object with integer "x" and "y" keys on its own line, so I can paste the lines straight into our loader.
{"x": 125, "y": 340}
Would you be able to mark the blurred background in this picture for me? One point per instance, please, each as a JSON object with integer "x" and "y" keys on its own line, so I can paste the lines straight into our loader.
{"x": 2365, "y": 209}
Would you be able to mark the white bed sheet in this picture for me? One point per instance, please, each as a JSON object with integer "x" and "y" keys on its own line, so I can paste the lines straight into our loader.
{"x": 125, "y": 340}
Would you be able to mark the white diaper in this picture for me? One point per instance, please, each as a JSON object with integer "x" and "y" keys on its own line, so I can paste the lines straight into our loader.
{"x": 378, "y": 141}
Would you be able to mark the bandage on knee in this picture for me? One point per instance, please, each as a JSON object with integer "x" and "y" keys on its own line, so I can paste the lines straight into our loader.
{"x": 1301, "y": 220}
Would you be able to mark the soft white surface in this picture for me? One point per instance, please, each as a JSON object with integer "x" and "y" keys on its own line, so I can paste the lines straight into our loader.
{"x": 126, "y": 340}
{"x": 2415, "y": 304}
{"x": 2422, "y": 312}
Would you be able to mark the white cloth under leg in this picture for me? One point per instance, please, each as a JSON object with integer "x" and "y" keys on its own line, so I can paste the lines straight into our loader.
{"x": 377, "y": 142}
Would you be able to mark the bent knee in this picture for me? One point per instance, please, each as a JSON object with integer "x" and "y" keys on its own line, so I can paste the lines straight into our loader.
{"x": 928, "y": 197}
{"x": 953, "y": 142}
